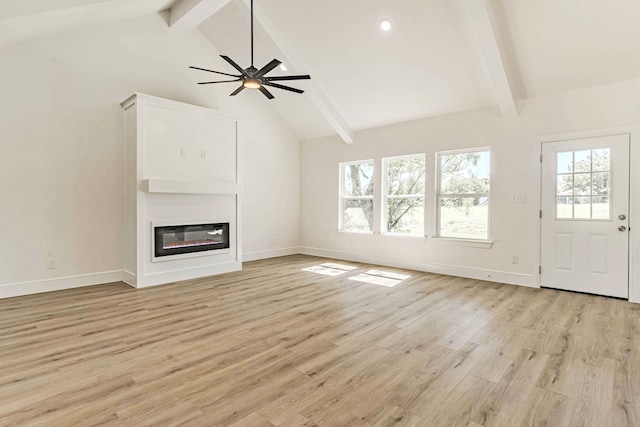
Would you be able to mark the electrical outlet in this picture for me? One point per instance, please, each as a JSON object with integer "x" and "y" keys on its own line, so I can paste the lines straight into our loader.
{"x": 518, "y": 198}
{"x": 51, "y": 263}
{"x": 203, "y": 154}
{"x": 183, "y": 152}
{"x": 514, "y": 259}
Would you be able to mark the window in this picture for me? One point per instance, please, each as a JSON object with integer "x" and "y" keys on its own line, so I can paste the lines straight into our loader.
{"x": 583, "y": 179}
{"x": 463, "y": 194}
{"x": 356, "y": 196}
{"x": 403, "y": 195}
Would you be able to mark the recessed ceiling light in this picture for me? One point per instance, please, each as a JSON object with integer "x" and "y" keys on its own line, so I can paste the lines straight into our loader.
{"x": 385, "y": 25}
{"x": 283, "y": 67}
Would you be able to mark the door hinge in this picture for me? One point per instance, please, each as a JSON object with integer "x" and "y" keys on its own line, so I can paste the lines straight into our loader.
{"x": 541, "y": 213}
{"x": 540, "y": 158}
{"x": 539, "y": 269}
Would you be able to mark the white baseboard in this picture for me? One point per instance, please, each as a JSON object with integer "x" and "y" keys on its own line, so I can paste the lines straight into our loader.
{"x": 59, "y": 283}
{"x": 273, "y": 253}
{"x": 449, "y": 270}
{"x": 129, "y": 278}
{"x": 69, "y": 282}
{"x": 186, "y": 274}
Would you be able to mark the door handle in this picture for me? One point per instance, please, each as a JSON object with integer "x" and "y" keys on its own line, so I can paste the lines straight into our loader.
{"x": 622, "y": 217}
{"x": 622, "y": 228}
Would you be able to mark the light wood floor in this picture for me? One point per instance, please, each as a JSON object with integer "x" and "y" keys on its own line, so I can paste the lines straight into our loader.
{"x": 274, "y": 345}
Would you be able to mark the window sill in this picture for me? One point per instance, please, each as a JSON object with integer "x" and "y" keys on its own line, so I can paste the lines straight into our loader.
{"x": 391, "y": 236}
{"x": 469, "y": 243}
{"x": 357, "y": 233}
{"x": 398, "y": 236}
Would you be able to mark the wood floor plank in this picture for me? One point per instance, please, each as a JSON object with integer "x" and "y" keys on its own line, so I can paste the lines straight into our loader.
{"x": 595, "y": 393}
{"x": 545, "y": 408}
{"x": 447, "y": 379}
{"x": 463, "y": 400}
{"x": 394, "y": 416}
{"x": 276, "y": 345}
{"x": 626, "y": 405}
{"x": 508, "y": 400}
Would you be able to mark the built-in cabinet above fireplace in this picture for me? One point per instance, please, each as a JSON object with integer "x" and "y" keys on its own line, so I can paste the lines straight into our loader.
{"x": 182, "y": 192}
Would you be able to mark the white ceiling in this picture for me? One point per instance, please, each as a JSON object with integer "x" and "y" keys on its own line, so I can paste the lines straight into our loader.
{"x": 441, "y": 56}
{"x": 23, "y": 20}
{"x": 425, "y": 66}
{"x": 572, "y": 44}
{"x": 11, "y": 9}
{"x": 228, "y": 31}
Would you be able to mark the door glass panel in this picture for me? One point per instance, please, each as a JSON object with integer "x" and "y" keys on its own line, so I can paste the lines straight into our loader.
{"x": 582, "y": 161}
{"x": 582, "y": 207}
{"x": 565, "y": 162}
{"x": 565, "y": 185}
{"x": 601, "y": 208}
{"x": 601, "y": 183}
{"x": 586, "y": 176}
{"x": 601, "y": 160}
{"x": 564, "y": 207}
{"x": 582, "y": 184}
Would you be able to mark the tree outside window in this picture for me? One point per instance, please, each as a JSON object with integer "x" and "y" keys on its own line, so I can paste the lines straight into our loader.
{"x": 356, "y": 196}
{"x": 583, "y": 184}
{"x": 463, "y": 194}
{"x": 404, "y": 194}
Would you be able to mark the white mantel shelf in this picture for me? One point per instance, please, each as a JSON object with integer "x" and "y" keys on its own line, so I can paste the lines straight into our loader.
{"x": 189, "y": 187}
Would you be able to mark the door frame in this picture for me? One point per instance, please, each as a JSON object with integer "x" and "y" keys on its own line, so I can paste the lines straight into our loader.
{"x": 634, "y": 201}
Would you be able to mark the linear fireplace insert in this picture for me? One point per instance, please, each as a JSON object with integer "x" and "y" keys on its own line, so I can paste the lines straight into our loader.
{"x": 191, "y": 238}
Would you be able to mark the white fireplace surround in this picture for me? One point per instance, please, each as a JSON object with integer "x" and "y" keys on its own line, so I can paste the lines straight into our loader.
{"x": 181, "y": 163}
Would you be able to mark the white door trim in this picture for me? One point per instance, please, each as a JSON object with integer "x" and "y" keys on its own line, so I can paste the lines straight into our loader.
{"x": 634, "y": 201}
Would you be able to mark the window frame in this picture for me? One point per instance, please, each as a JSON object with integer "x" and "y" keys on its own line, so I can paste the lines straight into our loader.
{"x": 439, "y": 195}
{"x": 386, "y": 196}
{"x": 342, "y": 198}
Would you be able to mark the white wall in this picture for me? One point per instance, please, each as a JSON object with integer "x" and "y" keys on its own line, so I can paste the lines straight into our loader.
{"x": 270, "y": 175}
{"x": 511, "y": 225}
{"x": 61, "y": 144}
{"x": 515, "y": 148}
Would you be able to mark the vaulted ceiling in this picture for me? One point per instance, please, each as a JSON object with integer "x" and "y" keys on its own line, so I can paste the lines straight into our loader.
{"x": 441, "y": 56}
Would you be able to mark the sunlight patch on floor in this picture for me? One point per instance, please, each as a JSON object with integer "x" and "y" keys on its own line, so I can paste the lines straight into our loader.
{"x": 388, "y": 274}
{"x": 330, "y": 269}
{"x": 380, "y": 277}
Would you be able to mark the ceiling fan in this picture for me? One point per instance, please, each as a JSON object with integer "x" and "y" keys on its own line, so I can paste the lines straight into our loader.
{"x": 251, "y": 77}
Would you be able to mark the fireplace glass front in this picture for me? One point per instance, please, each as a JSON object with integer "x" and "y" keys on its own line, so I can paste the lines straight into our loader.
{"x": 184, "y": 239}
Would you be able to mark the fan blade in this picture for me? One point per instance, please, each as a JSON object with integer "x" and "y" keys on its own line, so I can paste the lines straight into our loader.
{"x": 291, "y": 89}
{"x": 280, "y": 78}
{"x": 221, "y": 81}
{"x": 237, "y": 91}
{"x": 265, "y": 92}
{"x": 217, "y": 72}
{"x": 234, "y": 65}
{"x": 270, "y": 66}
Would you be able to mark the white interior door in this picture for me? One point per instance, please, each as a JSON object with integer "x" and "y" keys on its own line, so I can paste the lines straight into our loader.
{"x": 585, "y": 215}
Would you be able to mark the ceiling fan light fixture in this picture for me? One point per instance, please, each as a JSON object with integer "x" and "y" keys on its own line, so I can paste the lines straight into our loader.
{"x": 254, "y": 78}
{"x": 252, "y": 84}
